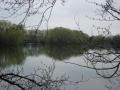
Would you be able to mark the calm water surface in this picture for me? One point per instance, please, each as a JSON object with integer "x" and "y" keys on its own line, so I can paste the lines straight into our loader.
{"x": 71, "y": 62}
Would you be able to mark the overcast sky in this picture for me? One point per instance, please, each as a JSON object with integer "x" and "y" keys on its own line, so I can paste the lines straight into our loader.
{"x": 63, "y": 16}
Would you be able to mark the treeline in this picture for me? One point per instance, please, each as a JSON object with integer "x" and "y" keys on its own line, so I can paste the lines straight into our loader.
{"x": 104, "y": 42}
{"x": 64, "y": 36}
{"x": 11, "y": 34}
{"x": 57, "y": 36}
{"x": 14, "y": 35}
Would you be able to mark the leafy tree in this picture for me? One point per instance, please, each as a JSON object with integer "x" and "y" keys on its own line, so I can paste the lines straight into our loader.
{"x": 11, "y": 34}
{"x": 64, "y": 36}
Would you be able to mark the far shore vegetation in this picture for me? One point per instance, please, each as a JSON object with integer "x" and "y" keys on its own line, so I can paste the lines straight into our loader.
{"x": 15, "y": 35}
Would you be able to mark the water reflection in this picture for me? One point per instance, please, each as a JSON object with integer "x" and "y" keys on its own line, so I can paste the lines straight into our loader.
{"x": 39, "y": 79}
{"x": 56, "y": 52}
{"x": 102, "y": 63}
{"x": 11, "y": 56}
{"x": 16, "y": 56}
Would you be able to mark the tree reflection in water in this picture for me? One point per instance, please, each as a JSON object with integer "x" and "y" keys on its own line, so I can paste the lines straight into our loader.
{"x": 11, "y": 56}
{"x": 56, "y": 52}
{"x": 40, "y": 79}
{"x": 105, "y": 62}
{"x": 17, "y": 55}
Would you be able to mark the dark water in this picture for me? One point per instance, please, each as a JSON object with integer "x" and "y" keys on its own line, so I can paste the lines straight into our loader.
{"x": 84, "y": 69}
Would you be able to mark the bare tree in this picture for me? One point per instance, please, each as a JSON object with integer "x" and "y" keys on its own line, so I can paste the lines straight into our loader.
{"x": 108, "y": 9}
{"x": 106, "y": 63}
{"x": 28, "y": 8}
{"x": 40, "y": 79}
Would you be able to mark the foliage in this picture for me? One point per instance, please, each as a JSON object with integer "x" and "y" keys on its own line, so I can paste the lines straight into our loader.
{"x": 105, "y": 42}
{"x": 116, "y": 41}
{"x": 14, "y": 35}
{"x": 96, "y": 41}
{"x": 62, "y": 36}
{"x": 11, "y": 34}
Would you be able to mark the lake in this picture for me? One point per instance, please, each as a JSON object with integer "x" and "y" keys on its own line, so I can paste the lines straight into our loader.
{"x": 75, "y": 67}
